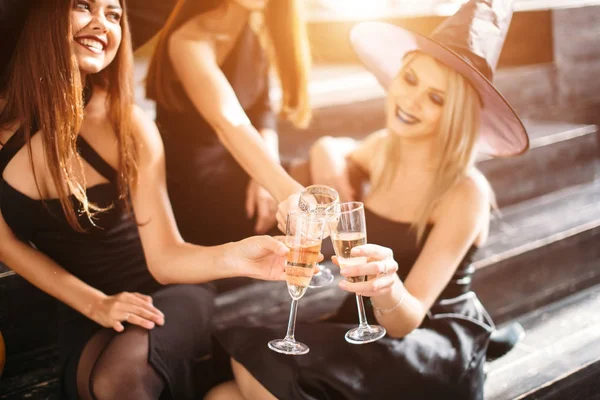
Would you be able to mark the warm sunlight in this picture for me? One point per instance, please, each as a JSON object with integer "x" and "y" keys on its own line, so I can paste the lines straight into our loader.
{"x": 357, "y": 9}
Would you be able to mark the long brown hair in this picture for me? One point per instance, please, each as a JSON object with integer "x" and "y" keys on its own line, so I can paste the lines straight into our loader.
{"x": 456, "y": 139}
{"x": 283, "y": 37}
{"x": 44, "y": 89}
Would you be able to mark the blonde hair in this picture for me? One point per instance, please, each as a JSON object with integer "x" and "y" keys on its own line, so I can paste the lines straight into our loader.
{"x": 283, "y": 36}
{"x": 456, "y": 138}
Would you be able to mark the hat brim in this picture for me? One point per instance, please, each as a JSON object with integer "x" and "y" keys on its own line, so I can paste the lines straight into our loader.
{"x": 381, "y": 47}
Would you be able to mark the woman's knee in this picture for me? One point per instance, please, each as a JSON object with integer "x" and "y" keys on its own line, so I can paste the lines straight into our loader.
{"x": 123, "y": 368}
{"x": 248, "y": 385}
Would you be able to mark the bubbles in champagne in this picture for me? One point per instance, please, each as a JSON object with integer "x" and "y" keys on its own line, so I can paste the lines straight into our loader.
{"x": 344, "y": 242}
{"x": 300, "y": 265}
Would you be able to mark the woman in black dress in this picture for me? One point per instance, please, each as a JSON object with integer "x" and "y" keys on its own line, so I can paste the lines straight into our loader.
{"x": 85, "y": 212}
{"x": 427, "y": 213}
{"x": 209, "y": 78}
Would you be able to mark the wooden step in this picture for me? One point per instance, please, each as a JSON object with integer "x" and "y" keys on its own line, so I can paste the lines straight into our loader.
{"x": 559, "y": 357}
{"x": 560, "y": 155}
{"x": 540, "y": 251}
{"x": 32, "y": 375}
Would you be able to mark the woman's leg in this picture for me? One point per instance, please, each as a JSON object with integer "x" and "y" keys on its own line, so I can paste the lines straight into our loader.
{"x": 250, "y": 388}
{"x": 115, "y": 366}
{"x": 225, "y": 391}
{"x": 245, "y": 387}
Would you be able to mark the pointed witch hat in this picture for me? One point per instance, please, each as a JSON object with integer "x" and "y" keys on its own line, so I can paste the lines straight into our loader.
{"x": 469, "y": 41}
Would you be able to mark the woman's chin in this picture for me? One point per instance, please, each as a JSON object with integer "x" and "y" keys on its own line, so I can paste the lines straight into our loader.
{"x": 407, "y": 132}
{"x": 91, "y": 66}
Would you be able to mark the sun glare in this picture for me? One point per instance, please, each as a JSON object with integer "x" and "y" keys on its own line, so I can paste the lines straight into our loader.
{"x": 357, "y": 9}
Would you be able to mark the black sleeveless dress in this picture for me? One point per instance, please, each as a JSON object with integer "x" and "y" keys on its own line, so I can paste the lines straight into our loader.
{"x": 442, "y": 359}
{"x": 110, "y": 258}
{"x": 205, "y": 182}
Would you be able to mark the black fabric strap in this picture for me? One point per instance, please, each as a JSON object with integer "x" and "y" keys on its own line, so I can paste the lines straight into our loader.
{"x": 12, "y": 147}
{"x": 17, "y": 141}
{"x": 95, "y": 160}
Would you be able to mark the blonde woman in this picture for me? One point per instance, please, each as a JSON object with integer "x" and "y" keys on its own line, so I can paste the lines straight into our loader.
{"x": 427, "y": 213}
{"x": 209, "y": 76}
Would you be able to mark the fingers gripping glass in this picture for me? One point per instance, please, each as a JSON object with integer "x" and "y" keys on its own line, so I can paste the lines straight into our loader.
{"x": 348, "y": 230}
{"x": 317, "y": 199}
{"x": 304, "y": 234}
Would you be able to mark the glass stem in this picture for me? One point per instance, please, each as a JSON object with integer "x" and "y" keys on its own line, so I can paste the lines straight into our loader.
{"x": 292, "y": 322}
{"x": 362, "y": 318}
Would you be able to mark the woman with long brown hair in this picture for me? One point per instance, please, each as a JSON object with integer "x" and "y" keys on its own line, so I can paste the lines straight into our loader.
{"x": 209, "y": 76}
{"x": 85, "y": 214}
{"x": 427, "y": 213}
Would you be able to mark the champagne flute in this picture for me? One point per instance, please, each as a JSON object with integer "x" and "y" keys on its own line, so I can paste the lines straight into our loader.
{"x": 348, "y": 230}
{"x": 316, "y": 199}
{"x": 304, "y": 234}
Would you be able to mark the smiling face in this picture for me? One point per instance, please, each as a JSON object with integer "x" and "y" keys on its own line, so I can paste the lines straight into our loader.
{"x": 96, "y": 30}
{"x": 416, "y": 97}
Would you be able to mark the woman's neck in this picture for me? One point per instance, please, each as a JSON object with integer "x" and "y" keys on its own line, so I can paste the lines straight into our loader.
{"x": 417, "y": 154}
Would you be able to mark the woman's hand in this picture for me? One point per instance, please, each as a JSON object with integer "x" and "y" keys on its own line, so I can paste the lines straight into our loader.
{"x": 259, "y": 257}
{"x": 260, "y": 202}
{"x": 288, "y": 205}
{"x": 328, "y": 165}
{"x": 135, "y": 308}
{"x": 379, "y": 267}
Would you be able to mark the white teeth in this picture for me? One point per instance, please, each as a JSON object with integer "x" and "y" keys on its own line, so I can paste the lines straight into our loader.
{"x": 404, "y": 117}
{"x": 91, "y": 43}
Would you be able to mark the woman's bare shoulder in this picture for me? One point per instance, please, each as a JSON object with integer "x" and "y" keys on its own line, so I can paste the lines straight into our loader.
{"x": 471, "y": 194}
{"x": 147, "y": 134}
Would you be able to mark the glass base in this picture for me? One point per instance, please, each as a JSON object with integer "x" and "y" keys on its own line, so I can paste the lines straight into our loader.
{"x": 285, "y": 346}
{"x": 368, "y": 334}
{"x": 322, "y": 278}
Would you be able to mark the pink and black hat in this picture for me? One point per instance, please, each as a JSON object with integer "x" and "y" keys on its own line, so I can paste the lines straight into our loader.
{"x": 470, "y": 41}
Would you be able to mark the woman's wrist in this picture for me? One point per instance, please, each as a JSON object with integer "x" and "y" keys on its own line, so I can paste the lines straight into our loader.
{"x": 226, "y": 259}
{"x": 92, "y": 305}
{"x": 390, "y": 302}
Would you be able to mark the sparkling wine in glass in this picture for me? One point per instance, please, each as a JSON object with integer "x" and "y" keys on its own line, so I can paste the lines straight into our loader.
{"x": 348, "y": 230}
{"x": 317, "y": 199}
{"x": 304, "y": 234}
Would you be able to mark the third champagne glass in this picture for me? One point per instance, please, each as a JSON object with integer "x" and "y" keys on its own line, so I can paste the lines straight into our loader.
{"x": 348, "y": 230}
{"x": 304, "y": 233}
{"x": 317, "y": 199}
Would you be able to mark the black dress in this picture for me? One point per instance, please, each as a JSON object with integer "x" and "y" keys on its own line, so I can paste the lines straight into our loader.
{"x": 442, "y": 359}
{"x": 110, "y": 258}
{"x": 205, "y": 182}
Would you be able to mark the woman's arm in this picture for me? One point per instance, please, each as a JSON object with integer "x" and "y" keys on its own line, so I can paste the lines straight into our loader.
{"x": 195, "y": 51}
{"x": 343, "y": 163}
{"x": 45, "y": 274}
{"x": 462, "y": 216}
{"x": 169, "y": 258}
{"x": 259, "y": 202}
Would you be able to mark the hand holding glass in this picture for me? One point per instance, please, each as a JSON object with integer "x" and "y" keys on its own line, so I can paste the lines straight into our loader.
{"x": 316, "y": 200}
{"x": 348, "y": 230}
{"x": 304, "y": 234}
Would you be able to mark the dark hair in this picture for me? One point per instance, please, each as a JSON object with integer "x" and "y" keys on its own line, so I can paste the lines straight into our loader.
{"x": 286, "y": 43}
{"x": 44, "y": 89}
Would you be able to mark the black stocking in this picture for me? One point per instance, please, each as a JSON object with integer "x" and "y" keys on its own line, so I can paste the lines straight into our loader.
{"x": 115, "y": 366}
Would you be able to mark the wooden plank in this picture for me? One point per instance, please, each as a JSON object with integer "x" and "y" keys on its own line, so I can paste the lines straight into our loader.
{"x": 32, "y": 375}
{"x": 560, "y": 340}
{"x": 555, "y": 161}
{"x": 528, "y": 225}
{"x": 582, "y": 384}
